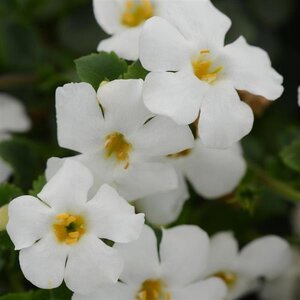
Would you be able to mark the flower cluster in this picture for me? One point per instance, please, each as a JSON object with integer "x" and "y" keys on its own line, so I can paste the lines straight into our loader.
{"x": 139, "y": 142}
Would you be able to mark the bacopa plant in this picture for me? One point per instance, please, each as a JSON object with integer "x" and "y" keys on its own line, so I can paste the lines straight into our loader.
{"x": 147, "y": 175}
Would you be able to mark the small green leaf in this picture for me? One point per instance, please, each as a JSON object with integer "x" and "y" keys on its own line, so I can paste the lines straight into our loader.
{"x": 8, "y": 192}
{"x": 136, "y": 71}
{"x": 37, "y": 185}
{"x": 61, "y": 293}
{"x": 23, "y": 158}
{"x": 291, "y": 155}
{"x": 95, "y": 68}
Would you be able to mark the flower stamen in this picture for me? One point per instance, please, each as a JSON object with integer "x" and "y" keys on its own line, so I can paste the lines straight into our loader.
{"x": 116, "y": 144}
{"x": 228, "y": 277}
{"x": 153, "y": 289}
{"x": 136, "y": 12}
{"x": 69, "y": 228}
{"x": 202, "y": 67}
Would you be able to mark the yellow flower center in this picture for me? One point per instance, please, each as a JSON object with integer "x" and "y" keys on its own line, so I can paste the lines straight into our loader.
{"x": 69, "y": 228}
{"x": 153, "y": 289}
{"x": 228, "y": 277}
{"x": 117, "y": 146}
{"x": 183, "y": 153}
{"x": 136, "y": 12}
{"x": 203, "y": 67}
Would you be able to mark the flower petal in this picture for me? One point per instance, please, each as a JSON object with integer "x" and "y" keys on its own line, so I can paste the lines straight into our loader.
{"x": 68, "y": 188}
{"x": 108, "y": 15}
{"x": 243, "y": 286}
{"x": 43, "y": 264}
{"x": 164, "y": 208}
{"x": 162, "y": 47}
{"x": 141, "y": 260}
{"x": 124, "y": 110}
{"x": 250, "y": 69}
{"x": 142, "y": 179}
{"x": 223, "y": 253}
{"x": 115, "y": 291}
{"x": 267, "y": 256}
{"x": 12, "y": 115}
{"x": 209, "y": 289}
{"x": 112, "y": 218}
{"x": 91, "y": 264}
{"x": 199, "y": 21}
{"x": 214, "y": 172}
{"x": 29, "y": 221}
{"x": 162, "y": 136}
{"x": 124, "y": 43}
{"x": 175, "y": 95}
{"x": 5, "y": 170}
{"x": 184, "y": 248}
{"x": 224, "y": 119}
{"x": 79, "y": 117}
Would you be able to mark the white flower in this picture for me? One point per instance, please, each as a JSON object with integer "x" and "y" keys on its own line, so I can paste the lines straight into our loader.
{"x": 192, "y": 71}
{"x": 287, "y": 286}
{"x": 120, "y": 148}
{"x": 266, "y": 257}
{"x": 59, "y": 233}
{"x": 12, "y": 119}
{"x": 212, "y": 172}
{"x": 176, "y": 272}
{"x": 123, "y": 19}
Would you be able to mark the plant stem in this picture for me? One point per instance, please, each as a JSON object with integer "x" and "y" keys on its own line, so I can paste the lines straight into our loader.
{"x": 276, "y": 185}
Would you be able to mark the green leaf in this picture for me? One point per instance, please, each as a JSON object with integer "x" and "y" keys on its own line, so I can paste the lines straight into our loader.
{"x": 61, "y": 293}
{"x": 37, "y": 185}
{"x": 95, "y": 68}
{"x": 291, "y": 155}
{"x": 8, "y": 192}
{"x": 23, "y": 158}
{"x": 136, "y": 71}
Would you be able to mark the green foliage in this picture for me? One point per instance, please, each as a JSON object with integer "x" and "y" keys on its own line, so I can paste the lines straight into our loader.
{"x": 24, "y": 159}
{"x": 291, "y": 155}
{"x": 95, "y": 68}
{"x": 58, "y": 294}
{"x": 135, "y": 71}
{"x": 8, "y": 192}
{"x": 37, "y": 185}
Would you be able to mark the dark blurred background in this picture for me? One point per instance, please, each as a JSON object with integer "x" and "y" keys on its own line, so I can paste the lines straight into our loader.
{"x": 39, "y": 40}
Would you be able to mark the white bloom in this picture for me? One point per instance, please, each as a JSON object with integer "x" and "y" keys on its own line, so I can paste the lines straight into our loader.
{"x": 212, "y": 172}
{"x": 12, "y": 119}
{"x": 287, "y": 286}
{"x": 192, "y": 71}
{"x": 176, "y": 272}
{"x": 59, "y": 235}
{"x": 123, "y": 19}
{"x": 266, "y": 257}
{"x": 121, "y": 147}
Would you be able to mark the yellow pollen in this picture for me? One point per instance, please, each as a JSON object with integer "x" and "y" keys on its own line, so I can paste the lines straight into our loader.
{"x": 116, "y": 145}
{"x": 203, "y": 67}
{"x": 205, "y": 51}
{"x": 136, "y": 12}
{"x": 180, "y": 154}
{"x": 153, "y": 289}
{"x": 228, "y": 277}
{"x": 69, "y": 228}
